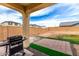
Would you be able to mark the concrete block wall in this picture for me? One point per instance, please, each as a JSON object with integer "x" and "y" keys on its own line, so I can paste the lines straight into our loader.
{"x": 6, "y": 31}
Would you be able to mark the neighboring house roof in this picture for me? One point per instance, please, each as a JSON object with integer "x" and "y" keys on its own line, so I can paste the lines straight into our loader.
{"x": 10, "y": 21}
{"x": 73, "y": 23}
{"x": 35, "y": 25}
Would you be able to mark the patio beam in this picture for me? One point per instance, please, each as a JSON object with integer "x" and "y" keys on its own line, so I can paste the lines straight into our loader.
{"x": 14, "y": 6}
{"x": 38, "y": 6}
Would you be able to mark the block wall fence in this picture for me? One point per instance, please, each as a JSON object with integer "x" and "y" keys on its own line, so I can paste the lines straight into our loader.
{"x": 6, "y": 31}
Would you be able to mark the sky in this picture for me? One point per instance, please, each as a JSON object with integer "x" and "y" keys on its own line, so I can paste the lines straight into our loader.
{"x": 7, "y": 14}
{"x": 51, "y": 16}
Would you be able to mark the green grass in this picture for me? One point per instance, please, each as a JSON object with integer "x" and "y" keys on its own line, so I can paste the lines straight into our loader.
{"x": 47, "y": 50}
{"x": 74, "y": 39}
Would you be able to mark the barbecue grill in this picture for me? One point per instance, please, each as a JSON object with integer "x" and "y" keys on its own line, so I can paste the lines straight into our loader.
{"x": 13, "y": 46}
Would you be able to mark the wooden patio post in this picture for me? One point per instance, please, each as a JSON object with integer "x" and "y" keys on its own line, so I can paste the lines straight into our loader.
{"x": 26, "y": 29}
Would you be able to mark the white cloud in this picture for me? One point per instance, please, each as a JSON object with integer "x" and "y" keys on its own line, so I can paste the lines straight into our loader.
{"x": 4, "y": 17}
{"x": 69, "y": 15}
{"x": 47, "y": 23}
{"x": 52, "y": 22}
{"x": 42, "y": 11}
{"x": 67, "y": 20}
{"x": 12, "y": 16}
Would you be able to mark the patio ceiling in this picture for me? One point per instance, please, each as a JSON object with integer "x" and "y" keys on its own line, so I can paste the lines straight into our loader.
{"x": 24, "y": 4}
{"x": 35, "y": 6}
{"x": 31, "y": 7}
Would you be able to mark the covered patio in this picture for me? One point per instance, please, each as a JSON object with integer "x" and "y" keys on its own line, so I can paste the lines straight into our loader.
{"x": 26, "y": 9}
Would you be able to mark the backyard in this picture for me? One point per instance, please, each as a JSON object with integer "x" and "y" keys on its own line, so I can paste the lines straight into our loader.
{"x": 74, "y": 39}
{"x": 50, "y": 41}
{"x": 47, "y": 51}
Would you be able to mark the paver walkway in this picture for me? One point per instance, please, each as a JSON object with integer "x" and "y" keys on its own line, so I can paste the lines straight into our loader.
{"x": 76, "y": 49}
{"x": 58, "y": 45}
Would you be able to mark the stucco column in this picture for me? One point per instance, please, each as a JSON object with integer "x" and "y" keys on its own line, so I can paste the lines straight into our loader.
{"x": 26, "y": 29}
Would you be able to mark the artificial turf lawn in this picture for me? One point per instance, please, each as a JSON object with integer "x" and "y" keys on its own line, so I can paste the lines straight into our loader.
{"x": 47, "y": 50}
